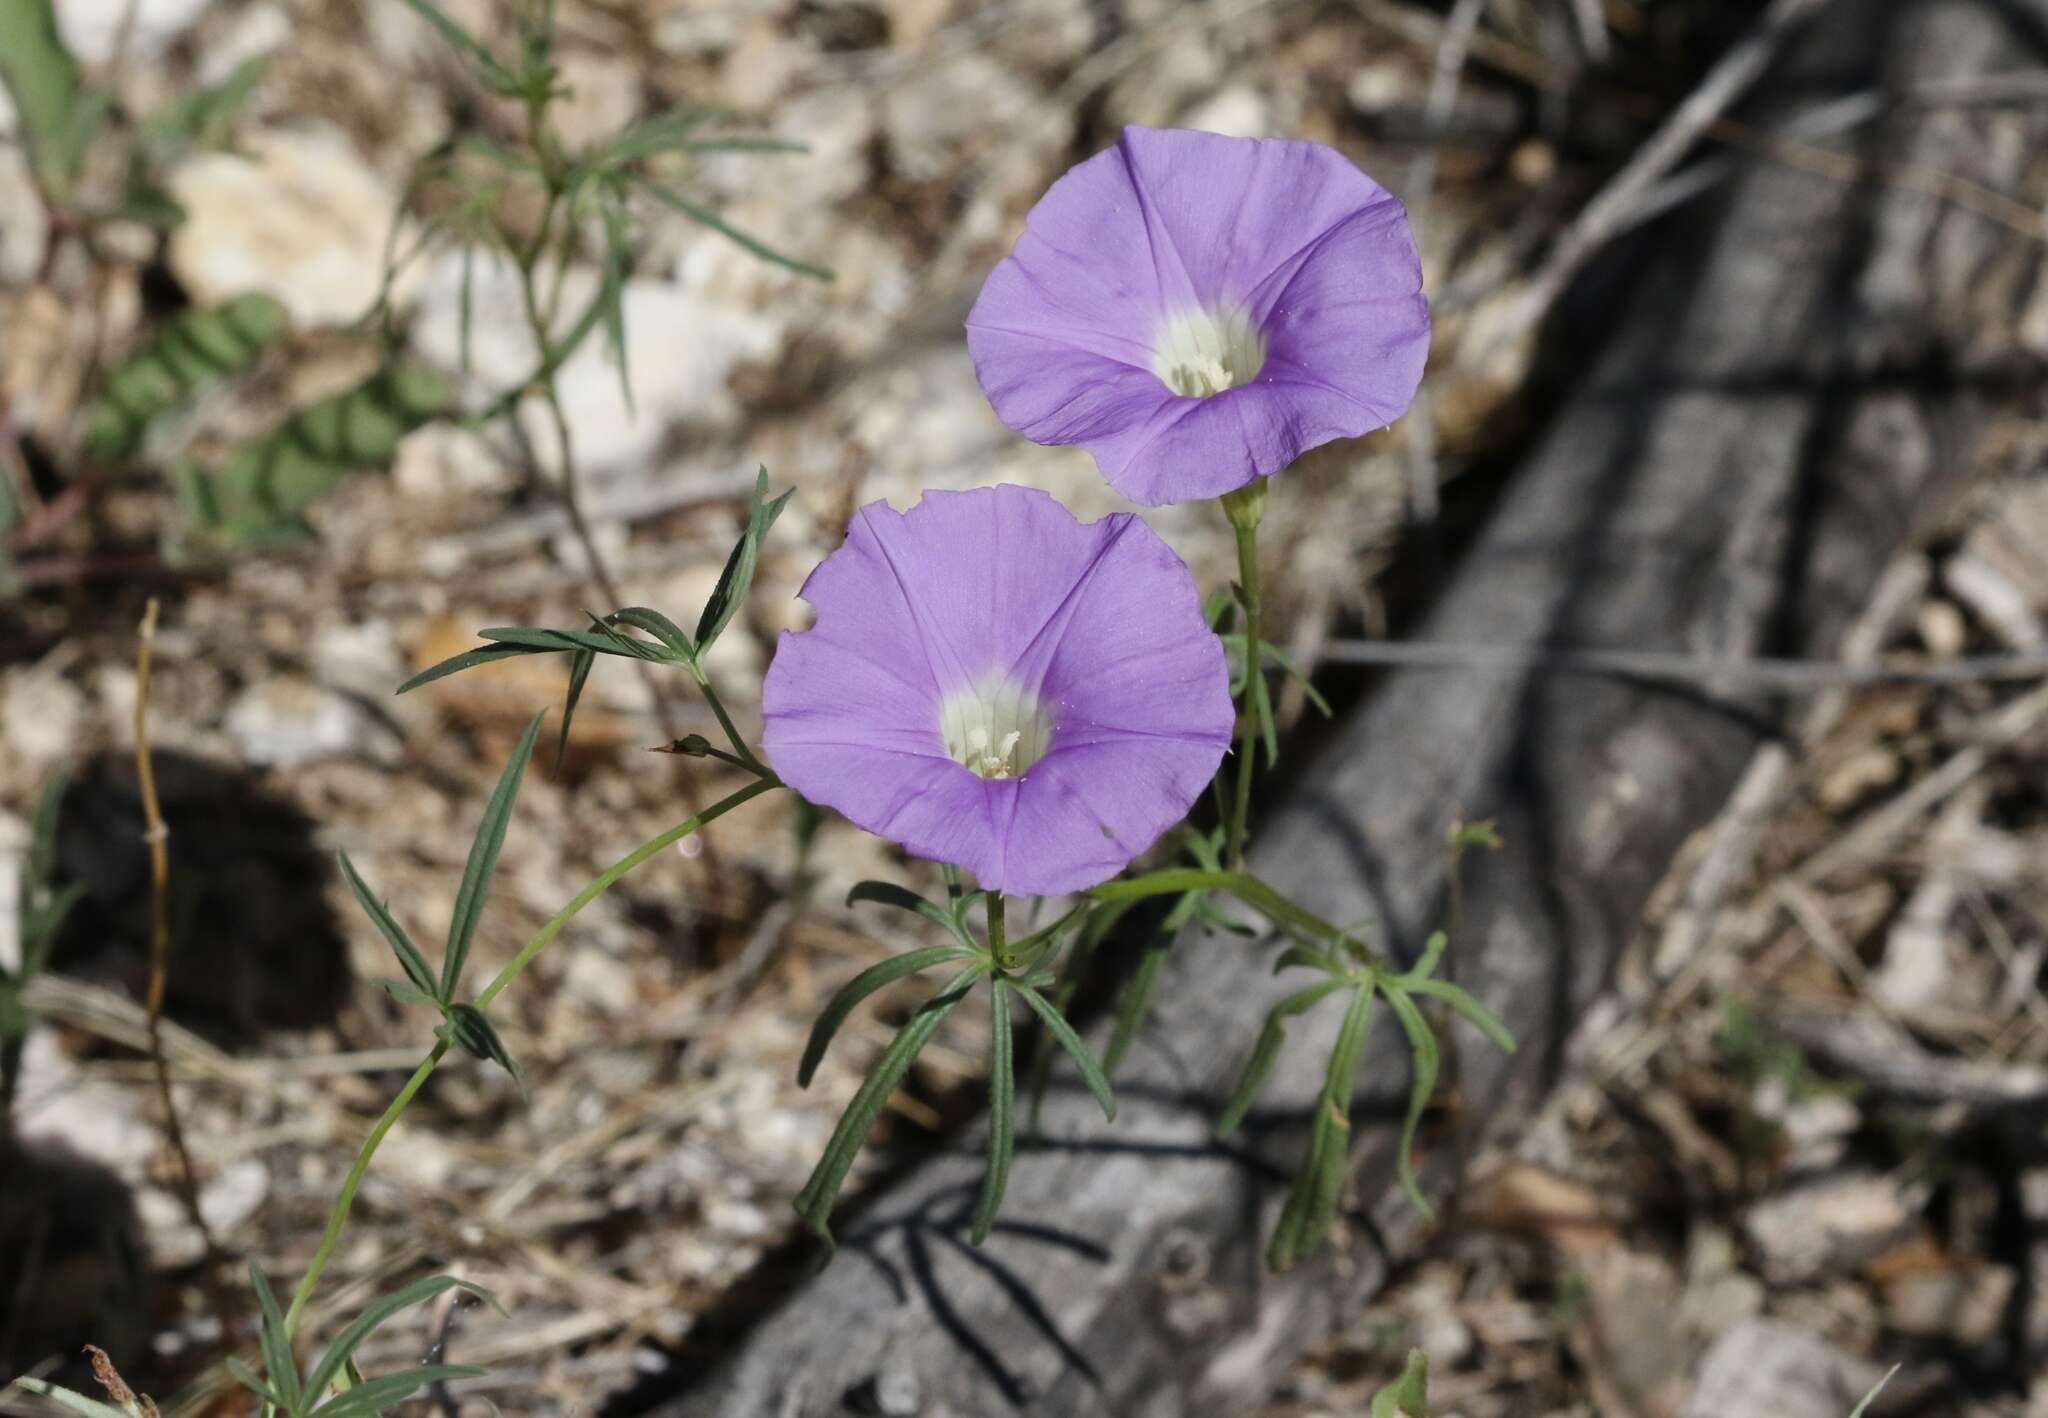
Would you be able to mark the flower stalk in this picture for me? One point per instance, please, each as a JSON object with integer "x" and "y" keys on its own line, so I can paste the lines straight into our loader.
{"x": 1246, "y": 508}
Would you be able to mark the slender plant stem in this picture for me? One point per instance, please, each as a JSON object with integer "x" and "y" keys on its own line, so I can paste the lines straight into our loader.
{"x": 998, "y": 934}
{"x": 1247, "y": 529}
{"x": 605, "y": 879}
{"x": 159, "y": 838}
{"x": 338, "y": 1218}
{"x": 746, "y": 756}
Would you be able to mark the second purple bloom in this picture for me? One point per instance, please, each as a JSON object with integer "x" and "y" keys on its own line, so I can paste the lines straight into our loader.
{"x": 996, "y": 684}
{"x": 1198, "y": 311}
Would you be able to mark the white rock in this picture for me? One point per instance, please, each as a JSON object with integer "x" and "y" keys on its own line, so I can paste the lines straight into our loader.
{"x": 226, "y": 1201}
{"x": 39, "y": 716}
{"x": 604, "y": 95}
{"x": 92, "y": 28}
{"x": 102, "y": 1122}
{"x": 297, "y": 215}
{"x": 446, "y": 460}
{"x": 285, "y": 722}
{"x": 1239, "y": 111}
{"x": 1827, "y": 1225}
{"x": 23, "y": 230}
{"x": 258, "y": 30}
{"x": 14, "y": 845}
{"x": 944, "y": 108}
{"x": 1764, "y": 1366}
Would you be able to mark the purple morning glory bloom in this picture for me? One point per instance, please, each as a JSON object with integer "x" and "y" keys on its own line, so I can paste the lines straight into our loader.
{"x": 993, "y": 683}
{"x": 1198, "y": 311}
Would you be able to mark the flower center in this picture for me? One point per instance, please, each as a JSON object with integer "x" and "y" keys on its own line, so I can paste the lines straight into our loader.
{"x": 993, "y": 728}
{"x": 1206, "y": 350}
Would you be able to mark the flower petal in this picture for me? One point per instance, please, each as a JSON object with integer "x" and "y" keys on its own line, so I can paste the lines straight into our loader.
{"x": 1100, "y": 623}
{"x": 1318, "y": 255}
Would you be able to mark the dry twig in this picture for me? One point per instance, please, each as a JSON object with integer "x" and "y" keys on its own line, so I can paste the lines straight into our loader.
{"x": 158, "y": 836}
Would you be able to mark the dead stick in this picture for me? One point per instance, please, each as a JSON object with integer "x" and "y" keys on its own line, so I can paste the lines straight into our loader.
{"x": 159, "y": 836}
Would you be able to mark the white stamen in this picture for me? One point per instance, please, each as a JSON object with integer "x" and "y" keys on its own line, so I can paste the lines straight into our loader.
{"x": 994, "y": 729}
{"x": 1201, "y": 352}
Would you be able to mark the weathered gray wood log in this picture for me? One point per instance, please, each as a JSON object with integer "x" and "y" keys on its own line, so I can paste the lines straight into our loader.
{"x": 1800, "y": 373}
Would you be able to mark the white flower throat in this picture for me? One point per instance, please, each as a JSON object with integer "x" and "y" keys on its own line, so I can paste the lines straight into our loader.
{"x": 1201, "y": 352}
{"x": 993, "y": 728}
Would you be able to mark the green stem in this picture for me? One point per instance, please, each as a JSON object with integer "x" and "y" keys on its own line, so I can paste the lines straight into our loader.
{"x": 733, "y": 736}
{"x": 338, "y": 1218}
{"x": 998, "y": 942}
{"x": 605, "y": 879}
{"x": 1244, "y": 886}
{"x": 1244, "y": 509}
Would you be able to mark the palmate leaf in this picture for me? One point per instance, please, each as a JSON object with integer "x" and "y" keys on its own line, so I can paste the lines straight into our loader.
{"x": 854, "y": 991}
{"x": 483, "y": 856}
{"x": 1266, "y": 1052}
{"x": 1311, "y": 1207}
{"x": 345, "y": 1344}
{"x": 1002, "y": 1106}
{"x": 814, "y": 1202}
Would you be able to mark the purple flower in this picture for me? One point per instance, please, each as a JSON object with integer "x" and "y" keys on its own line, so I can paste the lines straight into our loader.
{"x": 992, "y": 683}
{"x": 1198, "y": 311}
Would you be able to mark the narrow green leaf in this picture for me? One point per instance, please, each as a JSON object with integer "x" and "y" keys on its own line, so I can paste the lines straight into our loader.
{"x": 1311, "y": 1207}
{"x": 814, "y": 1202}
{"x": 663, "y": 133}
{"x": 360, "y": 1328}
{"x": 661, "y": 628}
{"x": 738, "y": 576}
{"x": 495, "y": 75}
{"x": 205, "y": 118}
{"x": 1432, "y": 953}
{"x": 1407, "y": 1395}
{"x": 78, "y": 1402}
{"x": 1266, "y": 1052}
{"x": 468, "y": 659}
{"x": 1871, "y": 1397}
{"x": 902, "y": 898}
{"x": 604, "y": 642}
{"x": 466, "y": 308}
{"x": 1057, "y": 1026}
{"x": 875, "y": 977}
{"x": 372, "y": 1394}
{"x": 1470, "y": 1009}
{"x": 1002, "y": 1102}
{"x": 1423, "y": 1044}
{"x": 275, "y": 1342}
{"x": 746, "y": 145}
{"x": 483, "y": 856}
{"x": 1136, "y": 1002}
{"x": 406, "y": 994}
{"x": 479, "y": 1038}
{"x": 618, "y": 258}
{"x": 409, "y": 955}
{"x": 705, "y": 217}
{"x": 579, "y": 672}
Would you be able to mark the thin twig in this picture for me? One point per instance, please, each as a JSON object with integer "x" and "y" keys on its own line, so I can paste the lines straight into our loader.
{"x": 1451, "y": 53}
{"x": 1614, "y": 209}
{"x": 159, "y": 836}
{"x": 1791, "y": 676}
